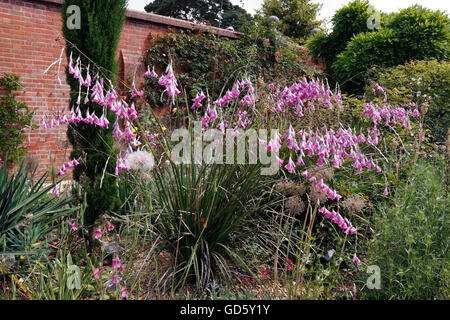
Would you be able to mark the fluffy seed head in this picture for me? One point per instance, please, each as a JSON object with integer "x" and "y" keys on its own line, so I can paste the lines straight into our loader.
{"x": 284, "y": 186}
{"x": 141, "y": 160}
{"x": 353, "y": 204}
{"x": 295, "y": 205}
{"x": 317, "y": 194}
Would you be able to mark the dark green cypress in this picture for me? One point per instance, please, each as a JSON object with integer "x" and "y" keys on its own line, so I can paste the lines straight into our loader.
{"x": 97, "y": 38}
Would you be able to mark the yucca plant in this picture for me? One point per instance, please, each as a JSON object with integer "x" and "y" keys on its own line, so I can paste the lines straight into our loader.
{"x": 27, "y": 209}
{"x": 200, "y": 207}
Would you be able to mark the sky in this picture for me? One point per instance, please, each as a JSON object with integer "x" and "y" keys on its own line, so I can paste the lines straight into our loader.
{"x": 330, "y": 6}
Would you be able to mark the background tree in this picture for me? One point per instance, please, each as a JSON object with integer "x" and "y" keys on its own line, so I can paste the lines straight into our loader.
{"x": 346, "y": 23}
{"x": 297, "y": 17}
{"x": 98, "y": 38}
{"x": 235, "y": 16}
{"x": 217, "y": 12}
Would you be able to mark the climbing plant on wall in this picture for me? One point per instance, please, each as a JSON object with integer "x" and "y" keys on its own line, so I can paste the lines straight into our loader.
{"x": 206, "y": 62}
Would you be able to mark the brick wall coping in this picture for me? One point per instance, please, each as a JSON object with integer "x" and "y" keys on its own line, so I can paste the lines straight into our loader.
{"x": 158, "y": 19}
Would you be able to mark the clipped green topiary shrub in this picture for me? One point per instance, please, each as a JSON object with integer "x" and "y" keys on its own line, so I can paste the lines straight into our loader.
{"x": 421, "y": 33}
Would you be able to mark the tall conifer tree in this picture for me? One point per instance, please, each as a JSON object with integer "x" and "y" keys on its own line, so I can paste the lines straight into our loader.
{"x": 97, "y": 38}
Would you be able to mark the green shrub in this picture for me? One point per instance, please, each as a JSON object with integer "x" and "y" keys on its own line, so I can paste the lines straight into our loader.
{"x": 364, "y": 51}
{"x": 411, "y": 246}
{"x": 414, "y": 33}
{"x": 421, "y": 33}
{"x": 425, "y": 82}
{"x": 14, "y": 117}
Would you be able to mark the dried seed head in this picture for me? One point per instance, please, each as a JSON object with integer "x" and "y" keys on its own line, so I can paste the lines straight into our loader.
{"x": 297, "y": 190}
{"x": 7, "y": 260}
{"x": 285, "y": 186}
{"x": 424, "y": 108}
{"x": 317, "y": 194}
{"x": 295, "y": 205}
{"x": 394, "y": 144}
{"x": 261, "y": 82}
{"x": 325, "y": 173}
{"x": 353, "y": 204}
{"x": 447, "y": 143}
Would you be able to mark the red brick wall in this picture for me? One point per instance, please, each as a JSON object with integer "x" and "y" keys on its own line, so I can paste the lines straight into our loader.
{"x": 28, "y": 29}
{"x": 27, "y": 47}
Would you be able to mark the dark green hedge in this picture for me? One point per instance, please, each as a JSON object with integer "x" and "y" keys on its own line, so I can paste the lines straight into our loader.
{"x": 351, "y": 49}
{"x": 415, "y": 33}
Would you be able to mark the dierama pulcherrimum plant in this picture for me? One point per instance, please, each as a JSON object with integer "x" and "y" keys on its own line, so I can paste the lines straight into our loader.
{"x": 295, "y": 144}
